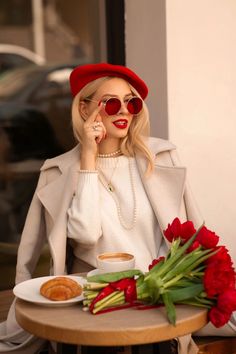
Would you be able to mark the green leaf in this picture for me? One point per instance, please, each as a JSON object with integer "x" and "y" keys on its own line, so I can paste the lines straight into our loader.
{"x": 185, "y": 293}
{"x": 175, "y": 256}
{"x": 185, "y": 282}
{"x": 187, "y": 261}
{"x": 194, "y": 302}
{"x": 153, "y": 286}
{"x": 205, "y": 301}
{"x": 155, "y": 268}
{"x": 110, "y": 277}
{"x": 170, "y": 308}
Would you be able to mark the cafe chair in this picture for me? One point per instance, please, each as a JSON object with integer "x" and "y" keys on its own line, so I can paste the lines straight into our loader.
{"x": 6, "y": 298}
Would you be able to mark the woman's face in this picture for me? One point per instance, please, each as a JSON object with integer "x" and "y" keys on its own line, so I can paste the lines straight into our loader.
{"x": 117, "y": 125}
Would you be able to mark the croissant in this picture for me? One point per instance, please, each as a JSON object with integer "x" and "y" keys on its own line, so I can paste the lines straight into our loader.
{"x": 60, "y": 288}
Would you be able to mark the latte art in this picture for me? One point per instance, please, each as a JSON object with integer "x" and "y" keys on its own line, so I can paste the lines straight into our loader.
{"x": 116, "y": 259}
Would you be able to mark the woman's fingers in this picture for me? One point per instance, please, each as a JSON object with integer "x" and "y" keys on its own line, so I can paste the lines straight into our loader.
{"x": 99, "y": 126}
{"x": 104, "y": 131}
{"x": 93, "y": 132}
{"x": 94, "y": 129}
{"x": 94, "y": 124}
{"x": 95, "y": 115}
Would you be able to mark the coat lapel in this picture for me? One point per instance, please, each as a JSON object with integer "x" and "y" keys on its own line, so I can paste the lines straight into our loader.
{"x": 165, "y": 188}
{"x": 57, "y": 238}
{"x": 56, "y": 197}
{"x": 57, "y": 194}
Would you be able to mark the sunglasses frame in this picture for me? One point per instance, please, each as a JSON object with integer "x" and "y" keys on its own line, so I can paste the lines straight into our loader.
{"x": 104, "y": 102}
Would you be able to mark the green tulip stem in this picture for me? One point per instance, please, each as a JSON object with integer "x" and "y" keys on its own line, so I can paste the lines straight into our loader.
{"x": 172, "y": 281}
{"x": 108, "y": 300}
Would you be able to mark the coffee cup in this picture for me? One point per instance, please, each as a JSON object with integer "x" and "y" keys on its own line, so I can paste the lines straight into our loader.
{"x": 115, "y": 262}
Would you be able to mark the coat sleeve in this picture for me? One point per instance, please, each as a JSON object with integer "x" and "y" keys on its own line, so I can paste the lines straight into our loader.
{"x": 189, "y": 207}
{"x": 33, "y": 237}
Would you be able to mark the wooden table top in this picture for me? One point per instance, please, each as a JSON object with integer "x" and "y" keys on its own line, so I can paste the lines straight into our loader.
{"x": 71, "y": 324}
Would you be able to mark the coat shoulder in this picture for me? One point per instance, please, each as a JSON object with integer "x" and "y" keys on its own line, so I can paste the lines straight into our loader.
{"x": 62, "y": 161}
{"x": 158, "y": 145}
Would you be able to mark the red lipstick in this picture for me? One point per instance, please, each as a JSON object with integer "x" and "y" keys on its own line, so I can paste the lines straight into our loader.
{"x": 120, "y": 123}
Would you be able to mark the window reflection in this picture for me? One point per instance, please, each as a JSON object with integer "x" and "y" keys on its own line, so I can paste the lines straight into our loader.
{"x": 35, "y": 100}
{"x": 35, "y": 125}
{"x": 12, "y": 83}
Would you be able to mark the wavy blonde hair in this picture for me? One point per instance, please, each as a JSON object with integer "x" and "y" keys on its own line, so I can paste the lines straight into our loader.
{"x": 133, "y": 143}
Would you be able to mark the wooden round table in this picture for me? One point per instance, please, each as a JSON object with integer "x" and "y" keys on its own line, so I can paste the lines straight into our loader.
{"x": 131, "y": 326}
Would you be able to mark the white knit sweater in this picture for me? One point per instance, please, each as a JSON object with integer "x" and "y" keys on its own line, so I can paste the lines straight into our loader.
{"x": 93, "y": 220}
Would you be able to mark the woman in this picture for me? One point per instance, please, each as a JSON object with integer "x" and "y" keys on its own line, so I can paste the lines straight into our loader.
{"x": 116, "y": 195}
{"x": 114, "y": 187}
{"x": 116, "y": 190}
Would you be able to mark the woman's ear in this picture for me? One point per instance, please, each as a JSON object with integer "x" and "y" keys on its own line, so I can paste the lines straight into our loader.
{"x": 83, "y": 110}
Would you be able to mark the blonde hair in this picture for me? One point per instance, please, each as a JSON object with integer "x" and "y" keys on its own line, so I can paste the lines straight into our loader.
{"x": 134, "y": 142}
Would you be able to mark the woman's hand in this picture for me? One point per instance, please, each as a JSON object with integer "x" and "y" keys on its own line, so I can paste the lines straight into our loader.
{"x": 93, "y": 133}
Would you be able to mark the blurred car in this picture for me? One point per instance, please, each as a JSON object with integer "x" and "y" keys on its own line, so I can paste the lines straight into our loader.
{"x": 35, "y": 105}
{"x": 35, "y": 115}
{"x": 13, "y": 56}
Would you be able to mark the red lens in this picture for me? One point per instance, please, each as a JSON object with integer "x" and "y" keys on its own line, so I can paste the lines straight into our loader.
{"x": 112, "y": 106}
{"x": 135, "y": 105}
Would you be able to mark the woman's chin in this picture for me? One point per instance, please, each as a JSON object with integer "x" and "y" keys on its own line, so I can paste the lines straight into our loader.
{"x": 119, "y": 134}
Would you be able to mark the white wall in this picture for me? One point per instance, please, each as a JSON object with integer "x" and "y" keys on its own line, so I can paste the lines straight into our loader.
{"x": 201, "y": 62}
{"x": 200, "y": 90}
{"x": 146, "y": 54}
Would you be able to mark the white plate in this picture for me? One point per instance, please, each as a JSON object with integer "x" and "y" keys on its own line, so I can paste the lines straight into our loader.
{"x": 93, "y": 272}
{"x": 29, "y": 290}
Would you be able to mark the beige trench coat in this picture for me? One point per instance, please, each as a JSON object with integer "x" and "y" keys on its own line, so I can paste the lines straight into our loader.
{"x": 47, "y": 218}
{"x": 167, "y": 190}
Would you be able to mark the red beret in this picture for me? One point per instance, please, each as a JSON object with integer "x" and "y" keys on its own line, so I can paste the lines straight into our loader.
{"x": 84, "y": 74}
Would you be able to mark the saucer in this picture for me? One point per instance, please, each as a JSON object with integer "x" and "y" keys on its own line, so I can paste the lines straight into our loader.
{"x": 96, "y": 272}
{"x": 93, "y": 272}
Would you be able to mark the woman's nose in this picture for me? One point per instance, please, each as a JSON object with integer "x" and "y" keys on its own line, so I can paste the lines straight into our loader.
{"x": 123, "y": 108}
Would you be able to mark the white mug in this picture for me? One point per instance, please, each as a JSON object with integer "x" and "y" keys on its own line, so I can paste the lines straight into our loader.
{"x": 115, "y": 262}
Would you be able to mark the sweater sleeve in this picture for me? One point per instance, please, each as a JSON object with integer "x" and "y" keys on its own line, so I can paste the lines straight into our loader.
{"x": 84, "y": 220}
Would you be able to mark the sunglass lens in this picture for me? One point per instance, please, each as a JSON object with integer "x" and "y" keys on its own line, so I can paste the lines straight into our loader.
{"x": 135, "y": 105}
{"x": 112, "y": 106}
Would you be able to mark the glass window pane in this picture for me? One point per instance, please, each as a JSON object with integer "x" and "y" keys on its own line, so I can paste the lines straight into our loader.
{"x": 35, "y": 101}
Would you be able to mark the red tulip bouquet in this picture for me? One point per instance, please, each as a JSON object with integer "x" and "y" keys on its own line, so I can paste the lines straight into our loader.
{"x": 196, "y": 271}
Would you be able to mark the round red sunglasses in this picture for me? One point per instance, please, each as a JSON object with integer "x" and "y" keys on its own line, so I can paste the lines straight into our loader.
{"x": 112, "y": 105}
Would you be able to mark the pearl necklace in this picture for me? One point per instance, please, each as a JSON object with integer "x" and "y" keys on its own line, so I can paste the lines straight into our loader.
{"x": 117, "y": 152}
{"x": 107, "y": 185}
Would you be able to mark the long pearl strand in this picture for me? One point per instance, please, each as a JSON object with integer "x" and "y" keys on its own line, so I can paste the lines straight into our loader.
{"x": 106, "y": 185}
